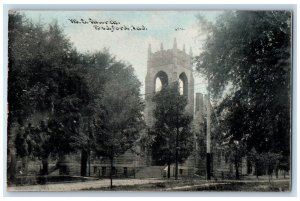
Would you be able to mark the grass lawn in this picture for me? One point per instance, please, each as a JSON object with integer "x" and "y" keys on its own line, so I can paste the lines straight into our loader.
{"x": 201, "y": 185}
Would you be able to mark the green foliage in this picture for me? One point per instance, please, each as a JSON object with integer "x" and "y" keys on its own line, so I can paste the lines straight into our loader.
{"x": 118, "y": 111}
{"x": 22, "y": 143}
{"x": 267, "y": 161}
{"x": 39, "y": 58}
{"x": 40, "y": 140}
{"x": 201, "y": 140}
{"x": 85, "y": 102}
{"x": 171, "y": 118}
{"x": 247, "y": 60}
{"x": 43, "y": 77}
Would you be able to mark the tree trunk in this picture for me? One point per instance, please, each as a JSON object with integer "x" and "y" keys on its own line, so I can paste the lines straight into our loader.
{"x": 169, "y": 169}
{"x": 269, "y": 171}
{"x": 45, "y": 168}
{"x": 256, "y": 169}
{"x": 237, "y": 176}
{"x": 84, "y": 158}
{"x": 11, "y": 149}
{"x": 25, "y": 164}
{"x": 89, "y": 163}
{"x": 12, "y": 169}
{"x": 176, "y": 165}
{"x": 111, "y": 172}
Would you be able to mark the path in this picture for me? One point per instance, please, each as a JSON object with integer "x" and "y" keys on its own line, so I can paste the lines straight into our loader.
{"x": 77, "y": 186}
{"x": 96, "y": 184}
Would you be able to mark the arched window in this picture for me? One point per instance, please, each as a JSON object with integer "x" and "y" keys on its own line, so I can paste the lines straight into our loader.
{"x": 158, "y": 84}
{"x": 183, "y": 84}
{"x": 160, "y": 81}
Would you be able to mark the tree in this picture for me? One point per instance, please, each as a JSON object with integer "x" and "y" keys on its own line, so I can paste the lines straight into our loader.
{"x": 94, "y": 68}
{"x": 266, "y": 162}
{"x": 72, "y": 91}
{"x": 22, "y": 141}
{"x": 41, "y": 146}
{"x": 253, "y": 50}
{"x": 44, "y": 78}
{"x": 235, "y": 151}
{"x": 171, "y": 130}
{"x": 118, "y": 113}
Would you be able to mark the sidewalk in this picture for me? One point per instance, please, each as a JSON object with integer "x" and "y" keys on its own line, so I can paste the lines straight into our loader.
{"x": 105, "y": 183}
{"x": 78, "y": 186}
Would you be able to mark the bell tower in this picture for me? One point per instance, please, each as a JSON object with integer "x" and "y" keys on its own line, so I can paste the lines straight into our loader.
{"x": 165, "y": 67}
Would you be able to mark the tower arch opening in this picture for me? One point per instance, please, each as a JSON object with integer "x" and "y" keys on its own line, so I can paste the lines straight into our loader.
{"x": 183, "y": 84}
{"x": 160, "y": 81}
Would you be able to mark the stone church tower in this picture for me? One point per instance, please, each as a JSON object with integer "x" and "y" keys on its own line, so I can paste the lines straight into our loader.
{"x": 168, "y": 66}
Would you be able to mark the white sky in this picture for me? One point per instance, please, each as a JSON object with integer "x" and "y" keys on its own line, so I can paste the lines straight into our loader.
{"x": 131, "y": 46}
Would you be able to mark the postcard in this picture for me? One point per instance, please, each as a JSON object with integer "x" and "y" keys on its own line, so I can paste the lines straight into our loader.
{"x": 186, "y": 100}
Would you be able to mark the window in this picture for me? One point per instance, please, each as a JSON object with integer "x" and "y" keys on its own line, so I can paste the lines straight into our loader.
{"x": 160, "y": 81}
{"x": 158, "y": 84}
{"x": 114, "y": 171}
{"x": 95, "y": 169}
{"x": 183, "y": 84}
{"x": 103, "y": 171}
{"x": 125, "y": 171}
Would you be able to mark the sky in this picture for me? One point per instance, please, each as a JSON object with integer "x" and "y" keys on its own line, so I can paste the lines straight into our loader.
{"x": 127, "y": 45}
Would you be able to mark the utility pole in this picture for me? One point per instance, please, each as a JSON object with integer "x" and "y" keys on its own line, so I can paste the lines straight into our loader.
{"x": 89, "y": 162}
{"x": 208, "y": 152}
{"x": 89, "y": 144}
{"x": 176, "y": 155}
{"x": 176, "y": 148}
